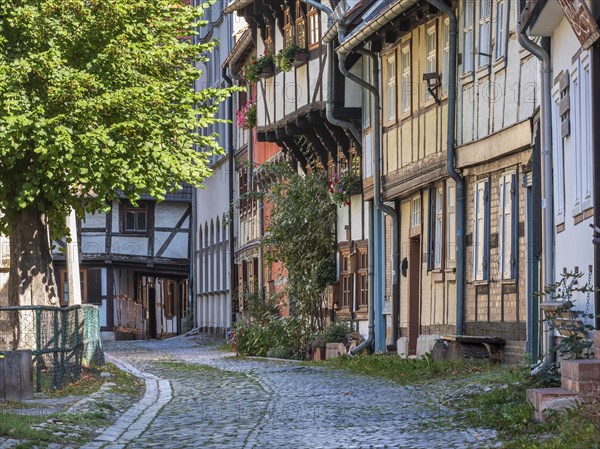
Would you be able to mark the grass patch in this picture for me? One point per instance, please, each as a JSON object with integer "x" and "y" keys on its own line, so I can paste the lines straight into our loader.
{"x": 19, "y": 427}
{"x": 225, "y": 347}
{"x": 505, "y": 409}
{"x": 190, "y": 367}
{"x": 405, "y": 371}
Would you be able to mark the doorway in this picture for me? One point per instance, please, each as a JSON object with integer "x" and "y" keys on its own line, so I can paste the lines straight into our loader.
{"x": 414, "y": 282}
{"x": 151, "y": 312}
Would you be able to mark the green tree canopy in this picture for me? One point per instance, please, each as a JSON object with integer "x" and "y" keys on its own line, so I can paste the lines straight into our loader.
{"x": 96, "y": 98}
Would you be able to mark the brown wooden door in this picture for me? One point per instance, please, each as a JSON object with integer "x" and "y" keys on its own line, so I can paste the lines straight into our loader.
{"x": 414, "y": 276}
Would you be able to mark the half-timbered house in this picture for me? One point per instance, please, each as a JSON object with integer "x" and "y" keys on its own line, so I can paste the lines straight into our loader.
{"x": 292, "y": 115}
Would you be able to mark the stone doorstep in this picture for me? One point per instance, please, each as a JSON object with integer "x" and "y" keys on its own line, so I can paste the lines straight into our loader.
{"x": 580, "y": 375}
{"x": 555, "y": 399}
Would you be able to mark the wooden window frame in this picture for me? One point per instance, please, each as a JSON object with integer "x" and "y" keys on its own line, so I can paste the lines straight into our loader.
{"x": 450, "y": 217}
{"x": 507, "y": 226}
{"x": 288, "y": 28}
{"x": 390, "y": 110}
{"x": 445, "y": 53}
{"x": 144, "y": 207}
{"x": 301, "y": 31}
{"x": 437, "y": 223}
{"x": 63, "y": 286}
{"x": 416, "y": 215}
{"x": 406, "y": 88}
{"x": 502, "y": 29}
{"x": 345, "y": 290}
{"x": 431, "y": 62}
{"x": 362, "y": 277}
{"x": 468, "y": 29}
{"x": 481, "y": 230}
{"x": 484, "y": 22}
{"x": 558, "y": 146}
{"x": 314, "y": 27}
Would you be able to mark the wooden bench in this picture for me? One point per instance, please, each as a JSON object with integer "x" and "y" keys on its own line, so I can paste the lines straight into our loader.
{"x": 467, "y": 347}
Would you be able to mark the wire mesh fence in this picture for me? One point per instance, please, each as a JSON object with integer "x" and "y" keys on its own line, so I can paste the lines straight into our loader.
{"x": 62, "y": 340}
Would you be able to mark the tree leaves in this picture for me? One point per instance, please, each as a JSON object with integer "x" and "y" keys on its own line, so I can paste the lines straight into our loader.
{"x": 97, "y": 96}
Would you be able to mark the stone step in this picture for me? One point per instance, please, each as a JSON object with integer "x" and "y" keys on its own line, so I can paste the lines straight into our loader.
{"x": 580, "y": 375}
{"x": 597, "y": 345}
{"x": 546, "y": 399}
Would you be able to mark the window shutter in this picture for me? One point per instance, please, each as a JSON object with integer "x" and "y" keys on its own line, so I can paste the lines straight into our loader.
{"x": 514, "y": 193}
{"x": 501, "y": 226}
{"x": 431, "y": 230}
{"x": 486, "y": 230}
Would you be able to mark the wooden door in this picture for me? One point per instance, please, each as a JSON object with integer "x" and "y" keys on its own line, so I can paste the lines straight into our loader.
{"x": 414, "y": 276}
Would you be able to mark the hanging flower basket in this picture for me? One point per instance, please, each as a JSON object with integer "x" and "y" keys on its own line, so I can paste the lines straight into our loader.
{"x": 245, "y": 116}
{"x": 343, "y": 187}
{"x": 290, "y": 56}
{"x": 257, "y": 68}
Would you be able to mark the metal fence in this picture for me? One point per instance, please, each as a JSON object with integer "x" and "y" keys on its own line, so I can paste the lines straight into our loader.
{"x": 62, "y": 340}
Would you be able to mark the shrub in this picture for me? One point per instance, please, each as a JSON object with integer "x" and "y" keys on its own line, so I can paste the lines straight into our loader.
{"x": 255, "y": 67}
{"x": 278, "y": 337}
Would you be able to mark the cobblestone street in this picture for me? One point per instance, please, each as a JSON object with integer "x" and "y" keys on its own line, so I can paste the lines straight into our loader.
{"x": 218, "y": 401}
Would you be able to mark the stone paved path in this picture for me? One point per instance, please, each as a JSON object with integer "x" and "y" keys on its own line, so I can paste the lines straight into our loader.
{"x": 223, "y": 402}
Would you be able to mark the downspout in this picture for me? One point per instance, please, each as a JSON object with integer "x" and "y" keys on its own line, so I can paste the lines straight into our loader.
{"x": 595, "y": 51}
{"x": 450, "y": 161}
{"x": 376, "y": 165}
{"x": 547, "y": 193}
{"x": 231, "y": 169}
{"x": 192, "y": 275}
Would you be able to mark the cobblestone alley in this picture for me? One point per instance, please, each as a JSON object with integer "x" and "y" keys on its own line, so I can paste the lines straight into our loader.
{"x": 200, "y": 397}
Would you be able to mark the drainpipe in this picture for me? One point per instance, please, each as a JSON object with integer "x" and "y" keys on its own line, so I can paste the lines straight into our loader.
{"x": 231, "y": 169}
{"x": 547, "y": 200}
{"x": 450, "y": 161}
{"x": 596, "y": 170}
{"x": 376, "y": 165}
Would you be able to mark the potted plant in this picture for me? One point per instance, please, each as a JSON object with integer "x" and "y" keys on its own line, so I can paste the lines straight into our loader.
{"x": 290, "y": 56}
{"x": 343, "y": 187}
{"x": 261, "y": 67}
{"x": 246, "y": 115}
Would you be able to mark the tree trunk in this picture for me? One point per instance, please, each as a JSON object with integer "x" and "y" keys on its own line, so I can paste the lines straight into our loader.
{"x": 31, "y": 277}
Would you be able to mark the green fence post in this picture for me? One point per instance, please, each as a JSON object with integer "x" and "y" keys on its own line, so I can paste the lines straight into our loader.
{"x": 38, "y": 349}
{"x": 56, "y": 336}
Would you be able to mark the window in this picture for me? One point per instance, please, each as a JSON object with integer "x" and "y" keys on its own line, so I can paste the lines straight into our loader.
{"x": 288, "y": 29}
{"x": 405, "y": 87}
{"x": 170, "y": 298}
{"x": 437, "y": 227}
{"x": 467, "y": 56}
{"x": 485, "y": 18}
{"x": 415, "y": 212}
{"x": 560, "y": 130}
{"x": 445, "y": 53}
{"x": 501, "y": 28}
{"x": 313, "y": 26}
{"x": 136, "y": 218}
{"x": 300, "y": 27}
{"x": 481, "y": 230}
{"x": 268, "y": 39}
{"x": 430, "y": 56}
{"x": 507, "y": 226}
{"x": 451, "y": 223}
{"x": 367, "y": 97}
{"x": 4, "y": 252}
{"x": 581, "y": 113}
{"x": 63, "y": 287}
{"x": 346, "y": 280}
{"x": 363, "y": 278}
{"x": 390, "y": 88}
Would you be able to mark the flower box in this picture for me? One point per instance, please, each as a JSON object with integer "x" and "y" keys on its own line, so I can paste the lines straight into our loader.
{"x": 267, "y": 71}
{"x": 300, "y": 58}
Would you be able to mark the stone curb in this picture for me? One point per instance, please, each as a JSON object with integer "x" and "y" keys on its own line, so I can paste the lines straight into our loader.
{"x": 135, "y": 420}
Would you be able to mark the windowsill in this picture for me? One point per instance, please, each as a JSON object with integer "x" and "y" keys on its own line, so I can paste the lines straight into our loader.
{"x": 466, "y": 78}
{"x": 437, "y": 275}
{"x": 507, "y": 281}
{"x": 481, "y": 282}
{"x": 587, "y": 213}
{"x": 500, "y": 64}
{"x": 560, "y": 227}
{"x": 482, "y": 72}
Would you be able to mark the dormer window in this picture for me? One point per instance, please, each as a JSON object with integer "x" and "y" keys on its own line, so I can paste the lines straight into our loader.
{"x": 136, "y": 219}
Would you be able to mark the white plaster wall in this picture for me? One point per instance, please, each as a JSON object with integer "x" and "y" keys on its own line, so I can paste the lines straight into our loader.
{"x": 342, "y": 222}
{"x": 356, "y": 206}
{"x": 129, "y": 245}
{"x": 93, "y": 243}
{"x": 177, "y": 249}
{"x": 167, "y": 214}
{"x": 97, "y": 220}
{"x": 573, "y": 247}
